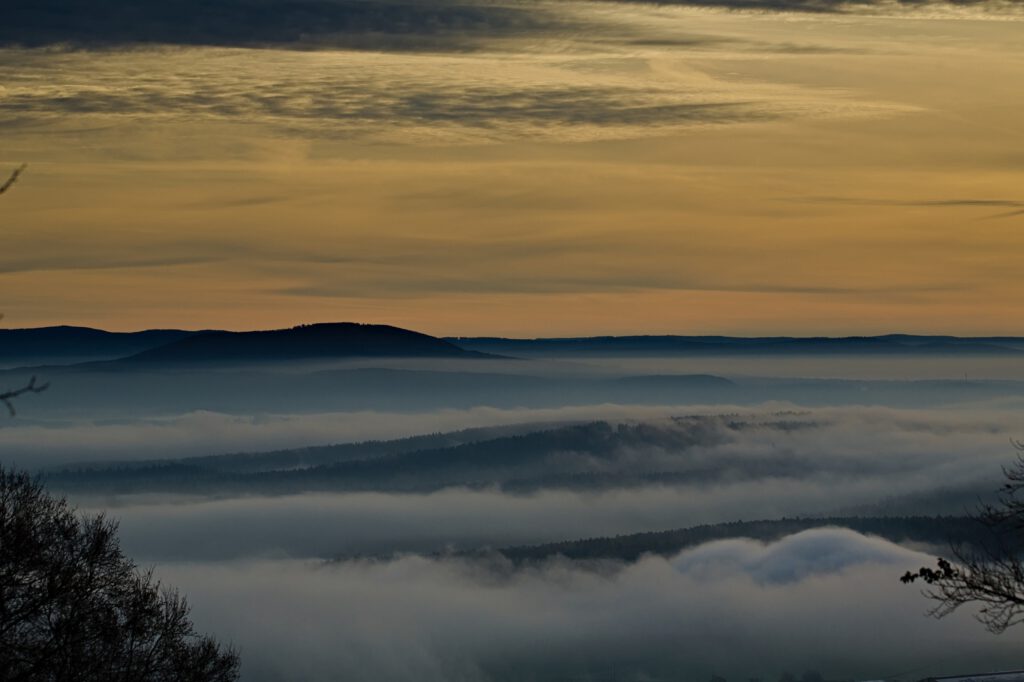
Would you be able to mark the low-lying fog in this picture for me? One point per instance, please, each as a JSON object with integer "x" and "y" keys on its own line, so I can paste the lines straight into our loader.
{"x": 399, "y": 605}
{"x": 103, "y": 394}
{"x": 38, "y": 444}
{"x": 826, "y": 600}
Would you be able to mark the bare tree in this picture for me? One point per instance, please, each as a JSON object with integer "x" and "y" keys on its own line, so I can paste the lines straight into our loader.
{"x": 74, "y": 607}
{"x": 991, "y": 573}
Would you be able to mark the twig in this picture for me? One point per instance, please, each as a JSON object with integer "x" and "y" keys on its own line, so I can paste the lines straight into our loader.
{"x": 14, "y": 178}
{"x": 31, "y": 387}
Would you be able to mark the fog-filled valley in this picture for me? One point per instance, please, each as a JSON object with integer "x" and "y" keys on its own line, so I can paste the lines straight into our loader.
{"x": 511, "y": 341}
{"x": 549, "y": 518}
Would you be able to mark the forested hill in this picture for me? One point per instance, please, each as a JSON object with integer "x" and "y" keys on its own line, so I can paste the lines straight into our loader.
{"x": 313, "y": 341}
{"x": 670, "y": 345}
{"x": 596, "y": 455}
{"x": 935, "y": 532}
{"x": 74, "y": 344}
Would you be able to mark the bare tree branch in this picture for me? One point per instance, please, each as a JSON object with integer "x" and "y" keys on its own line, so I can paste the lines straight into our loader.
{"x": 991, "y": 577}
{"x": 14, "y": 178}
{"x": 31, "y": 387}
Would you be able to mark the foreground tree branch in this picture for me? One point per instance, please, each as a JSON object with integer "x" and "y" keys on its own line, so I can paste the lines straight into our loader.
{"x": 13, "y": 178}
{"x": 7, "y": 397}
{"x": 991, "y": 575}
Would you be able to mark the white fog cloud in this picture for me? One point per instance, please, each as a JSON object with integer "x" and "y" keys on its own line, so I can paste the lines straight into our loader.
{"x": 826, "y": 599}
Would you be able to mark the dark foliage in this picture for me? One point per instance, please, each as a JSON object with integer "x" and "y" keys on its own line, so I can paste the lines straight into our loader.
{"x": 989, "y": 574}
{"x": 597, "y": 455}
{"x": 73, "y": 607}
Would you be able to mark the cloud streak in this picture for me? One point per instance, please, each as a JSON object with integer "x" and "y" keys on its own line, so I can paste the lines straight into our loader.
{"x": 347, "y": 95}
{"x": 438, "y": 24}
{"x": 431, "y": 25}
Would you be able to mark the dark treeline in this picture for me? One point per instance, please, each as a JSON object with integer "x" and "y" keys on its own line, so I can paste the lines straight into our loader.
{"x": 311, "y": 456}
{"x": 891, "y": 344}
{"x": 938, "y": 533}
{"x": 575, "y": 456}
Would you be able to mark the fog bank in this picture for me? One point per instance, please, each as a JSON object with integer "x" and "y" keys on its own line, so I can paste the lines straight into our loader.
{"x": 827, "y": 599}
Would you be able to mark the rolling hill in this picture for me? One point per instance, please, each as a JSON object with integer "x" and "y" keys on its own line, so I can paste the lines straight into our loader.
{"x": 305, "y": 342}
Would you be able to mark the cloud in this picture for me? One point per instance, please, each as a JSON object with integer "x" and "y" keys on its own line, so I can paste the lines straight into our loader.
{"x": 311, "y": 526}
{"x": 98, "y": 262}
{"x": 841, "y": 611}
{"x": 352, "y": 96}
{"x": 857, "y": 433}
{"x": 44, "y": 443}
{"x": 315, "y": 525}
{"x": 430, "y": 25}
{"x": 436, "y": 24}
{"x": 792, "y": 559}
{"x": 536, "y": 70}
{"x": 859, "y": 459}
{"x": 840, "y": 6}
{"x": 360, "y": 101}
{"x": 999, "y": 10}
{"x": 963, "y": 202}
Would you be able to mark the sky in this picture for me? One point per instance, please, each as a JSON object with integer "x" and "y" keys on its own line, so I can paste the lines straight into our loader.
{"x": 517, "y": 168}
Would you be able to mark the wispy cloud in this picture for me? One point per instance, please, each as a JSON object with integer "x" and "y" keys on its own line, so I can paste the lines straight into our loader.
{"x": 964, "y": 202}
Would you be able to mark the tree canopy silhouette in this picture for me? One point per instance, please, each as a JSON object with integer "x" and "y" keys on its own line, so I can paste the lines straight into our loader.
{"x": 74, "y": 607}
{"x": 990, "y": 572}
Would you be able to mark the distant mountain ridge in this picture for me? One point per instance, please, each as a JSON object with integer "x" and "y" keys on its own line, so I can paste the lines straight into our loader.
{"x": 305, "y": 342}
{"x": 69, "y": 342}
{"x": 889, "y": 344}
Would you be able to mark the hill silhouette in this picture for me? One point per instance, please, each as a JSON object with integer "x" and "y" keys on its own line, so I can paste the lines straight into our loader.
{"x": 890, "y": 344}
{"x": 305, "y": 342}
{"x": 68, "y": 342}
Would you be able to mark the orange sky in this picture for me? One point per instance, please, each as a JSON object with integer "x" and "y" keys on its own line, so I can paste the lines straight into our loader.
{"x": 769, "y": 174}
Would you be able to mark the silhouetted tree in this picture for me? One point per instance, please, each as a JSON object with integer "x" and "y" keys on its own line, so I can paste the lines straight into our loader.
{"x": 74, "y": 607}
{"x": 990, "y": 572}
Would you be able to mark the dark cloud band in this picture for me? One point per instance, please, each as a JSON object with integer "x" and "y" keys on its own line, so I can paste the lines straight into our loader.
{"x": 253, "y": 23}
